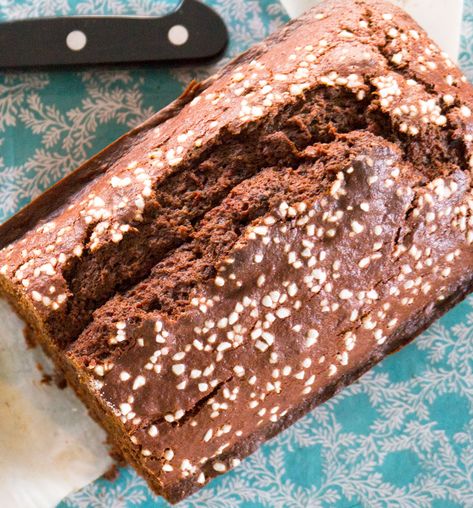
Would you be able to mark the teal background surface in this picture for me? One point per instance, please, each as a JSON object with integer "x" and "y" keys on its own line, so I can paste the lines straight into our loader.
{"x": 401, "y": 437}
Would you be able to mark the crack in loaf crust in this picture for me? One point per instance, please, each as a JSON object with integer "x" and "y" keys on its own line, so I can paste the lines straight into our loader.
{"x": 323, "y": 183}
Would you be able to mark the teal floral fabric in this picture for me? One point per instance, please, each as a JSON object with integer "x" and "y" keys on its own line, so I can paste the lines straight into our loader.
{"x": 400, "y": 437}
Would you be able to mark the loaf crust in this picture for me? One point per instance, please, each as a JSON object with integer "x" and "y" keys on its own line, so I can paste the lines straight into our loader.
{"x": 257, "y": 245}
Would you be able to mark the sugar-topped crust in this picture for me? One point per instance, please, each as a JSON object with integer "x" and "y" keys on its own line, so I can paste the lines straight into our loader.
{"x": 180, "y": 316}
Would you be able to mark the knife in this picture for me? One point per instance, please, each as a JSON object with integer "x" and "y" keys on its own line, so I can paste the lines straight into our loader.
{"x": 192, "y": 31}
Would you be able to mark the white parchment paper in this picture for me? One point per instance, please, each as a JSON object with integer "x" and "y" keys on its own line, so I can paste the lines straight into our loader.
{"x": 49, "y": 446}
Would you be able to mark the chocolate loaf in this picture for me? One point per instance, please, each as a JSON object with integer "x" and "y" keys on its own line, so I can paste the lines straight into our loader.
{"x": 257, "y": 245}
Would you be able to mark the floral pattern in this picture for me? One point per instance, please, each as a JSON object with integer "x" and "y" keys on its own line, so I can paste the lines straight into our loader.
{"x": 400, "y": 437}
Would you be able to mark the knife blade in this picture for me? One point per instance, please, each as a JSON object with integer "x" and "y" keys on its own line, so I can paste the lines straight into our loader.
{"x": 192, "y": 31}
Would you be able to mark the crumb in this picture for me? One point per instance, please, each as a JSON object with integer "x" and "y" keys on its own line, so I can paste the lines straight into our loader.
{"x": 112, "y": 473}
{"x": 46, "y": 379}
{"x": 117, "y": 456}
{"x": 59, "y": 380}
{"x": 29, "y": 335}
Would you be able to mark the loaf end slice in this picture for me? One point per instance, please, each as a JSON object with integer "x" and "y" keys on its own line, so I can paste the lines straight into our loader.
{"x": 255, "y": 322}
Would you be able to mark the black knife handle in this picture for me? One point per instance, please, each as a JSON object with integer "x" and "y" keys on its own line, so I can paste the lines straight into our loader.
{"x": 193, "y": 31}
